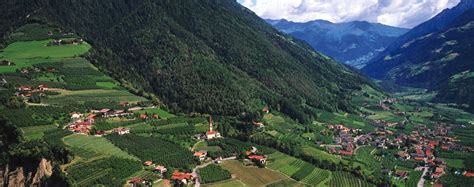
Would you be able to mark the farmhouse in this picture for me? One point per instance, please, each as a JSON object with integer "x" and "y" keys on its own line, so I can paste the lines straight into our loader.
{"x": 258, "y": 158}
{"x": 106, "y": 112}
{"x": 161, "y": 169}
{"x": 258, "y": 124}
{"x": 76, "y": 115}
{"x": 201, "y": 154}
{"x": 24, "y": 88}
{"x": 401, "y": 174}
{"x": 185, "y": 178}
{"x": 122, "y": 131}
{"x": 266, "y": 110}
{"x": 90, "y": 119}
{"x": 148, "y": 163}
{"x": 43, "y": 87}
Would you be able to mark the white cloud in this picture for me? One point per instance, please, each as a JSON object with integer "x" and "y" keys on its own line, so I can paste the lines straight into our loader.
{"x": 401, "y": 13}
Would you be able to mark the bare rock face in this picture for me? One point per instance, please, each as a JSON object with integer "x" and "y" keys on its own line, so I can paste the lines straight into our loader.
{"x": 19, "y": 177}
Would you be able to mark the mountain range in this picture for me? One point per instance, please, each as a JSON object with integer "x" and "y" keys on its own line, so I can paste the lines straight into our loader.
{"x": 192, "y": 56}
{"x": 353, "y": 43}
{"x": 436, "y": 55}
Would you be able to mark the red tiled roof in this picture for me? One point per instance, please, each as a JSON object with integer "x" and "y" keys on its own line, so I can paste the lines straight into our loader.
{"x": 469, "y": 174}
{"x": 345, "y": 153}
{"x": 180, "y": 176}
{"x": 257, "y": 157}
{"x": 211, "y": 132}
{"x": 136, "y": 179}
{"x": 419, "y": 158}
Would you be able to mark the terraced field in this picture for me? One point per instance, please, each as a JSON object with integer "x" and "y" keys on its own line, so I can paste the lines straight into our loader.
{"x": 89, "y": 147}
{"x": 414, "y": 178}
{"x": 36, "y": 132}
{"x": 340, "y": 178}
{"x": 298, "y": 169}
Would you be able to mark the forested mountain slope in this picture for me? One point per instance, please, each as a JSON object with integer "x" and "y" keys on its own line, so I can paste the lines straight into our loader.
{"x": 440, "y": 61}
{"x": 377, "y": 68}
{"x": 212, "y": 56}
{"x": 353, "y": 43}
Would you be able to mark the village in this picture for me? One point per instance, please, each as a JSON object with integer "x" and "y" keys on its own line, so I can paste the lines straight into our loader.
{"x": 421, "y": 145}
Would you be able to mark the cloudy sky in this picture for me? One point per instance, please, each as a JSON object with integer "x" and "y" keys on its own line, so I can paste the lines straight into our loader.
{"x": 400, "y": 13}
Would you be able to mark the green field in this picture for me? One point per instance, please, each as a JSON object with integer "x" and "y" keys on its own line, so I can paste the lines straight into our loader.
{"x": 320, "y": 154}
{"x": 36, "y": 132}
{"x": 230, "y": 182}
{"x": 88, "y": 147}
{"x": 107, "y": 85}
{"x": 28, "y": 53}
{"x": 346, "y": 179}
{"x": 252, "y": 176}
{"x": 81, "y": 96}
{"x": 298, "y": 169}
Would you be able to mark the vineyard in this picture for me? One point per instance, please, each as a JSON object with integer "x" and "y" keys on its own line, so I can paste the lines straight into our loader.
{"x": 297, "y": 169}
{"x": 414, "y": 178}
{"x": 231, "y": 147}
{"x": 155, "y": 149}
{"x": 340, "y": 178}
{"x": 110, "y": 171}
{"x": 88, "y": 147}
{"x": 213, "y": 173}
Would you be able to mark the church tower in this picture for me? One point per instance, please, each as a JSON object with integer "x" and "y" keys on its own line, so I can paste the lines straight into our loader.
{"x": 210, "y": 124}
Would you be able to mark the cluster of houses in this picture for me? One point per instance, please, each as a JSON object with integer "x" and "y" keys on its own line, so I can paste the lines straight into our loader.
{"x": 26, "y": 92}
{"x": 344, "y": 138}
{"x": 27, "y": 70}
{"x": 420, "y": 145}
{"x": 81, "y": 125}
{"x": 255, "y": 157}
{"x": 57, "y": 42}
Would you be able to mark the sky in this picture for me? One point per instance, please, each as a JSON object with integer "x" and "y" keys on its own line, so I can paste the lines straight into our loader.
{"x": 399, "y": 13}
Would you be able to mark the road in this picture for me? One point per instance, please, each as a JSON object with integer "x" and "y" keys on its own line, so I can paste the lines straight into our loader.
{"x": 421, "y": 183}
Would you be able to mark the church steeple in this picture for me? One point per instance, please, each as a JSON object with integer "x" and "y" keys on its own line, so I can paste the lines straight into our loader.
{"x": 210, "y": 123}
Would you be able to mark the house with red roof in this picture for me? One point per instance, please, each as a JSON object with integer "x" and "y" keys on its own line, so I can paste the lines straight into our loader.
{"x": 90, "y": 118}
{"x": 345, "y": 153}
{"x": 148, "y": 163}
{"x": 429, "y": 154}
{"x": 43, "y": 87}
{"x": 185, "y": 178}
{"x": 258, "y": 158}
{"x": 143, "y": 116}
{"x": 161, "y": 169}
{"x": 76, "y": 115}
{"x": 468, "y": 174}
{"x": 201, "y": 154}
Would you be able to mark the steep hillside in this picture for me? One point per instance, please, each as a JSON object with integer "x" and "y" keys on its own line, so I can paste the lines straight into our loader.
{"x": 209, "y": 56}
{"x": 441, "y": 61}
{"x": 377, "y": 68}
{"x": 353, "y": 43}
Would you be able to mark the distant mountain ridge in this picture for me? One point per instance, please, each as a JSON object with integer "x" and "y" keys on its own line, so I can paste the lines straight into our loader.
{"x": 353, "y": 43}
{"x": 439, "y": 58}
{"x": 435, "y": 24}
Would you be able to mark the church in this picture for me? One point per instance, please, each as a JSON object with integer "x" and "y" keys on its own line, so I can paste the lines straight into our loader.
{"x": 211, "y": 134}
